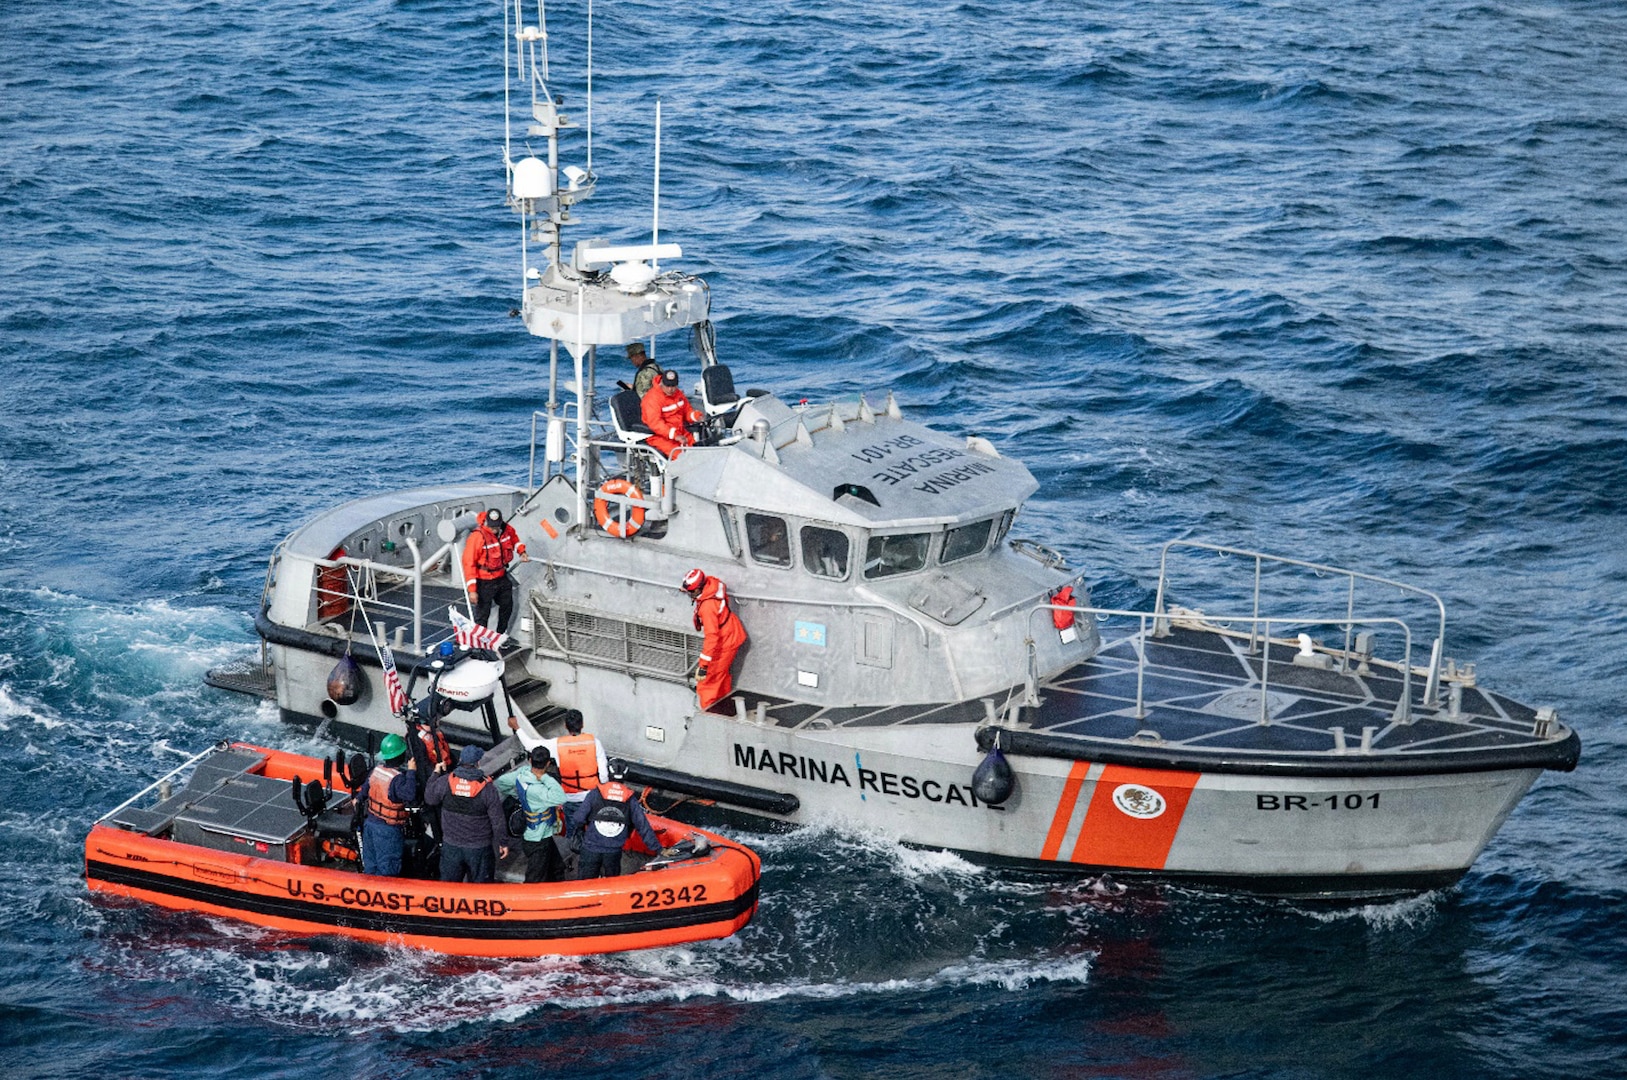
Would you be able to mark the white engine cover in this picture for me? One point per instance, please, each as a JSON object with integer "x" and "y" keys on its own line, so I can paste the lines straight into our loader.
{"x": 472, "y": 680}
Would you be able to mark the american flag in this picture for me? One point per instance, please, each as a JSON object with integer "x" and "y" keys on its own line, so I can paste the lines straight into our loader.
{"x": 392, "y": 681}
{"x": 472, "y": 636}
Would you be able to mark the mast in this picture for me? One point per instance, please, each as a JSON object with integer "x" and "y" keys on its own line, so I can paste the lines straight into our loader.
{"x": 600, "y": 294}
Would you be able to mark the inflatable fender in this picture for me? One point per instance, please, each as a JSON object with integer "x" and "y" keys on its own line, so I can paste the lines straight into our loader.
{"x": 345, "y": 681}
{"x": 993, "y": 782}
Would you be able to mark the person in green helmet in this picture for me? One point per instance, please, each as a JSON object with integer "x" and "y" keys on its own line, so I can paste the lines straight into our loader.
{"x": 390, "y": 787}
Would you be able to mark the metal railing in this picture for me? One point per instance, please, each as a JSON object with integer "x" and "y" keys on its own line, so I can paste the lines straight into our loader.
{"x": 1259, "y": 627}
{"x": 766, "y": 598}
{"x": 1348, "y": 623}
{"x": 361, "y": 585}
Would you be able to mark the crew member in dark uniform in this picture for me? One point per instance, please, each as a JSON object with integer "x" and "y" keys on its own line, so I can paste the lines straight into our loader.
{"x": 605, "y": 820}
{"x": 473, "y": 830}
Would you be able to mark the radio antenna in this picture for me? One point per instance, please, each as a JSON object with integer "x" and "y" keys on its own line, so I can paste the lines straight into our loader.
{"x": 590, "y": 86}
{"x": 655, "y": 212}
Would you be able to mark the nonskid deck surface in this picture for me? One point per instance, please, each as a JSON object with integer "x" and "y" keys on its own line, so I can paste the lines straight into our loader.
{"x": 383, "y": 611}
{"x": 1201, "y": 692}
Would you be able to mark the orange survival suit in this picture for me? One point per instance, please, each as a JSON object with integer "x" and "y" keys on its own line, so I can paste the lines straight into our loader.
{"x": 669, "y": 416}
{"x": 724, "y": 637}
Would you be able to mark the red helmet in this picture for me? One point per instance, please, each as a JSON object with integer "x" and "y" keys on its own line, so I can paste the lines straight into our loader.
{"x": 694, "y": 582}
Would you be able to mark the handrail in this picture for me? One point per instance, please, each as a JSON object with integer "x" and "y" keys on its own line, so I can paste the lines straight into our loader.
{"x": 771, "y": 599}
{"x": 413, "y": 573}
{"x": 1432, "y": 686}
{"x": 1403, "y": 710}
{"x": 172, "y": 774}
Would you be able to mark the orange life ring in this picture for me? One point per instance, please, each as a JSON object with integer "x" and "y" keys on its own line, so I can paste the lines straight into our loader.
{"x": 612, "y": 523}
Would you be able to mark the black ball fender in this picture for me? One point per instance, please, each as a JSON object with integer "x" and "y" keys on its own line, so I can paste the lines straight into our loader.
{"x": 993, "y": 782}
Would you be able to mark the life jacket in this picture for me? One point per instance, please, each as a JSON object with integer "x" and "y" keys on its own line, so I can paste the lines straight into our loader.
{"x": 435, "y": 745}
{"x": 613, "y": 819}
{"x": 486, "y": 554}
{"x": 379, "y": 803}
{"x": 461, "y": 794}
{"x": 578, "y": 758}
{"x": 543, "y": 815}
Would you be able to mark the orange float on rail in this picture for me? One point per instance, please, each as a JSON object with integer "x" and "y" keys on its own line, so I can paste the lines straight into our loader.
{"x": 270, "y": 868}
{"x": 605, "y": 512}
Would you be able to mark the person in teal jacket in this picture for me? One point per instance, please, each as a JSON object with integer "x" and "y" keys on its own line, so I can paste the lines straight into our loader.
{"x": 541, "y": 796}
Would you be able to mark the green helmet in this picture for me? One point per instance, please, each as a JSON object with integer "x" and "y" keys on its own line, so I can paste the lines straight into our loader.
{"x": 392, "y": 747}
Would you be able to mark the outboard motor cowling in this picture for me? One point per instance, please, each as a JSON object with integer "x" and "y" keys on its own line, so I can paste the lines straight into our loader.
{"x": 471, "y": 680}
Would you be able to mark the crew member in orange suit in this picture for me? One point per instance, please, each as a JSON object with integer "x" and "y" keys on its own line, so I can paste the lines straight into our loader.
{"x": 486, "y": 555}
{"x": 667, "y": 412}
{"x": 724, "y": 636}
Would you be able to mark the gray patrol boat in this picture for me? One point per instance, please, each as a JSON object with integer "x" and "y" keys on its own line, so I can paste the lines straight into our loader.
{"x": 901, "y": 640}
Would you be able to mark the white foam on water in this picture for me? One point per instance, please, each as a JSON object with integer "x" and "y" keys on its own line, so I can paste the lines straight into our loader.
{"x": 1405, "y": 913}
{"x": 364, "y": 989}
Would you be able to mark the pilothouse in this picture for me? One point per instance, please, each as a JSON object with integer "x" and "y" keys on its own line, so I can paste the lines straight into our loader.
{"x": 898, "y": 635}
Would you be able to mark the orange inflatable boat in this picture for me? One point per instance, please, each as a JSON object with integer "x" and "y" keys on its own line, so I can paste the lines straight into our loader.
{"x": 224, "y": 835}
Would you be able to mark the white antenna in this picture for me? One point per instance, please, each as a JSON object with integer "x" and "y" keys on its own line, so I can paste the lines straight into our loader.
{"x": 590, "y": 86}
{"x": 542, "y": 24}
{"x": 507, "y": 63}
{"x": 655, "y": 212}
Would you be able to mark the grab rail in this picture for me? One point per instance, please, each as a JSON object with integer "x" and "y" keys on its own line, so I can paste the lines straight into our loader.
{"x": 172, "y": 774}
{"x": 1403, "y": 709}
{"x": 1432, "y": 686}
{"x": 359, "y": 585}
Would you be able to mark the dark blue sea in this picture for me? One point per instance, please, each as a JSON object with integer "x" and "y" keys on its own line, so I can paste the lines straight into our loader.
{"x": 1346, "y": 281}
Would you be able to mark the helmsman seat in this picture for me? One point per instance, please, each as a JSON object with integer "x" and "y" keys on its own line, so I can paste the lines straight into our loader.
{"x": 627, "y": 418}
{"x": 717, "y": 390}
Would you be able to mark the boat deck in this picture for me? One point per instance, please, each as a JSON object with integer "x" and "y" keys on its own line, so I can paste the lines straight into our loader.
{"x": 1200, "y": 706}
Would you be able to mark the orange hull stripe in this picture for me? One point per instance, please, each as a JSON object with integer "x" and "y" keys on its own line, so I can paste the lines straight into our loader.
{"x": 1064, "y": 809}
{"x": 1111, "y": 837}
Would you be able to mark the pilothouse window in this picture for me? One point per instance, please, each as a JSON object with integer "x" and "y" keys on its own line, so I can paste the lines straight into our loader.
{"x": 824, "y": 552}
{"x": 966, "y": 541}
{"x": 889, "y": 555}
{"x": 770, "y": 542}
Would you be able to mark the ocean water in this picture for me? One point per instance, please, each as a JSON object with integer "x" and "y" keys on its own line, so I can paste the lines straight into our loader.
{"x": 1344, "y": 281}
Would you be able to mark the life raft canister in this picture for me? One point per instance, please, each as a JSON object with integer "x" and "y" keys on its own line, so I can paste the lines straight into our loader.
{"x": 608, "y": 515}
{"x": 1062, "y": 619}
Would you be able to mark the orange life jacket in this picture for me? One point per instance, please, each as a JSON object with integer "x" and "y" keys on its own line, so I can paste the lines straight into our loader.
{"x": 379, "y": 803}
{"x": 460, "y": 795}
{"x": 616, "y": 791}
{"x": 464, "y": 788}
{"x": 486, "y": 554}
{"x": 435, "y": 745}
{"x": 578, "y": 758}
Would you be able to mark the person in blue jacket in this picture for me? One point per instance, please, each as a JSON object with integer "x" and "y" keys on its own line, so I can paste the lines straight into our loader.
{"x": 605, "y": 820}
{"x": 390, "y": 789}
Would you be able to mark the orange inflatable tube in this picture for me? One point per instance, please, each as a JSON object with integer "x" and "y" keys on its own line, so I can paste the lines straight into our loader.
{"x": 711, "y": 895}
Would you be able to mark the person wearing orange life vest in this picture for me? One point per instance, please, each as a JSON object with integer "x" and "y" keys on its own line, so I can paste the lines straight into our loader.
{"x": 723, "y": 638}
{"x": 580, "y": 757}
{"x": 389, "y": 789}
{"x": 605, "y": 821}
{"x": 473, "y": 827}
{"x": 487, "y": 553}
{"x": 667, "y": 412}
